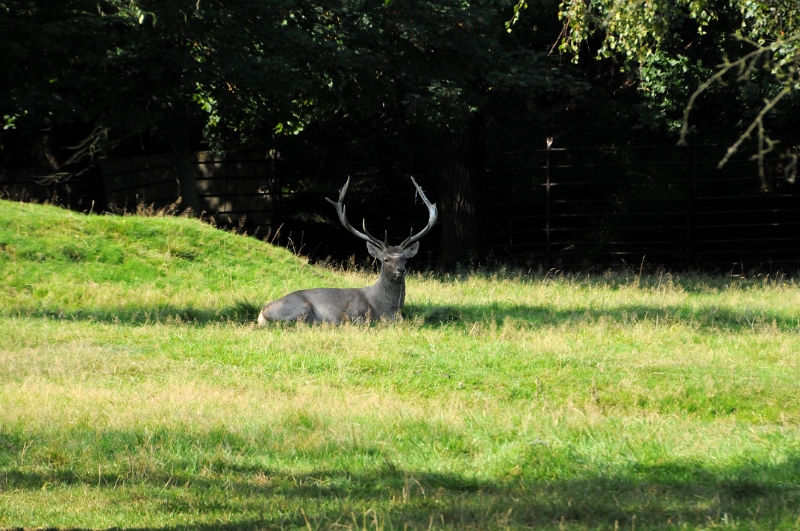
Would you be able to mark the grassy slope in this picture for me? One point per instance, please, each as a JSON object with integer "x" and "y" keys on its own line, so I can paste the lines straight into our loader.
{"x": 70, "y": 265}
{"x": 136, "y": 392}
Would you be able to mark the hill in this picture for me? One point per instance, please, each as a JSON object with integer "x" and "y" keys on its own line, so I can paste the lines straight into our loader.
{"x": 62, "y": 263}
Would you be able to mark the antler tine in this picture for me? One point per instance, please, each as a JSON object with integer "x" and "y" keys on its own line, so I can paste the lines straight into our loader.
{"x": 432, "y": 215}
{"x": 341, "y": 211}
{"x": 372, "y": 238}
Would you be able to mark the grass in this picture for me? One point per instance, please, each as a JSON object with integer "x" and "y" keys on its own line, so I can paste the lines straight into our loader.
{"x": 136, "y": 392}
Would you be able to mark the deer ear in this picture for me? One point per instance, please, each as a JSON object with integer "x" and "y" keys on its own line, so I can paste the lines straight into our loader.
{"x": 375, "y": 251}
{"x": 411, "y": 250}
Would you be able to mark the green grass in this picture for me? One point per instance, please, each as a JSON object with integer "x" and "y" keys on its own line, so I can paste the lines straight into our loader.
{"x": 136, "y": 392}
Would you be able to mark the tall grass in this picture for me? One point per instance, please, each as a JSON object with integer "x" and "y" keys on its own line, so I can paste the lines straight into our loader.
{"x": 136, "y": 392}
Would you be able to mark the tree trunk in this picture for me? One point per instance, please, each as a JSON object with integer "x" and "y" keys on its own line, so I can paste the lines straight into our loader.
{"x": 180, "y": 139}
{"x": 461, "y": 196}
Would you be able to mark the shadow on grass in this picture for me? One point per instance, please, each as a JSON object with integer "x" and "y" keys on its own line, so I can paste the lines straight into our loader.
{"x": 429, "y": 315}
{"x": 241, "y": 311}
{"x": 708, "y": 316}
{"x": 669, "y": 495}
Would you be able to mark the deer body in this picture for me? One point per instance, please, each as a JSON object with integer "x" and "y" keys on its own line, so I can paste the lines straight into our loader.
{"x": 319, "y": 305}
{"x": 382, "y": 300}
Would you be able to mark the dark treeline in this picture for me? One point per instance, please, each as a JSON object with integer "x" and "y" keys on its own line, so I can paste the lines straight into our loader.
{"x": 392, "y": 87}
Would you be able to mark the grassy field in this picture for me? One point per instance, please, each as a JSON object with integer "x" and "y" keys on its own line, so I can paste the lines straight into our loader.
{"x": 137, "y": 392}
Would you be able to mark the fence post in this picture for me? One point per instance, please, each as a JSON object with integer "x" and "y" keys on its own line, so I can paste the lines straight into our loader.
{"x": 689, "y": 192}
{"x": 547, "y": 192}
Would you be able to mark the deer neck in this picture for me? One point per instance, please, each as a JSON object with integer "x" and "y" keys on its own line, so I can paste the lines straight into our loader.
{"x": 386, "y": 295}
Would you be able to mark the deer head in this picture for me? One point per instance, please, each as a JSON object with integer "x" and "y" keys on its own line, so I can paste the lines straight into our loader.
{"x": 392, "y": 258}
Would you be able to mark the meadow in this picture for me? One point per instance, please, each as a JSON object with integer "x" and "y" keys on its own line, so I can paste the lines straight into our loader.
{"x": 137, "y": 392}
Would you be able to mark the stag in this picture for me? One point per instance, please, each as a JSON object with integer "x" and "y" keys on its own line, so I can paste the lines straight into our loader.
{"x": 382, "y": 300}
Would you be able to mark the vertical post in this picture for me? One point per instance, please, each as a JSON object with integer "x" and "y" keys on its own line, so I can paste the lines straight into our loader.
{"x": 547, "y": 191}
{"x": 689, "y": 192}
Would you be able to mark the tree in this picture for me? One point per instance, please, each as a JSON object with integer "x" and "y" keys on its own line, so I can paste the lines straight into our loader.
{"x": 755, "y": 43}
{"x": 130, "y": 67}
{"x": 49, "y": 50}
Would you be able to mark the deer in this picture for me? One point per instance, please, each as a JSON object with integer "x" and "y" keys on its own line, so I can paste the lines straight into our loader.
{"x": 382, "y": 300}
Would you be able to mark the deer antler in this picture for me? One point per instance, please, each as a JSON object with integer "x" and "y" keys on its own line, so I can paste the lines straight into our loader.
{"x": 366, "y": 236}
{"x": 341, "y": 211}
{"x": 432, "y": 215}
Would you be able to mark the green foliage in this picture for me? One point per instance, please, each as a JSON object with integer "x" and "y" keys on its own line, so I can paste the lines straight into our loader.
{"x": 240, "y": 66}
{"x": 48, "y": 50}
{"x": 754, "y": 43}
{"x": 659, "y": 33}
{"x": 636, "y": 29}
{"x": 666, "y": 83}
{"x": 131, "y": 394}
{"x": 769, "y": 21}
